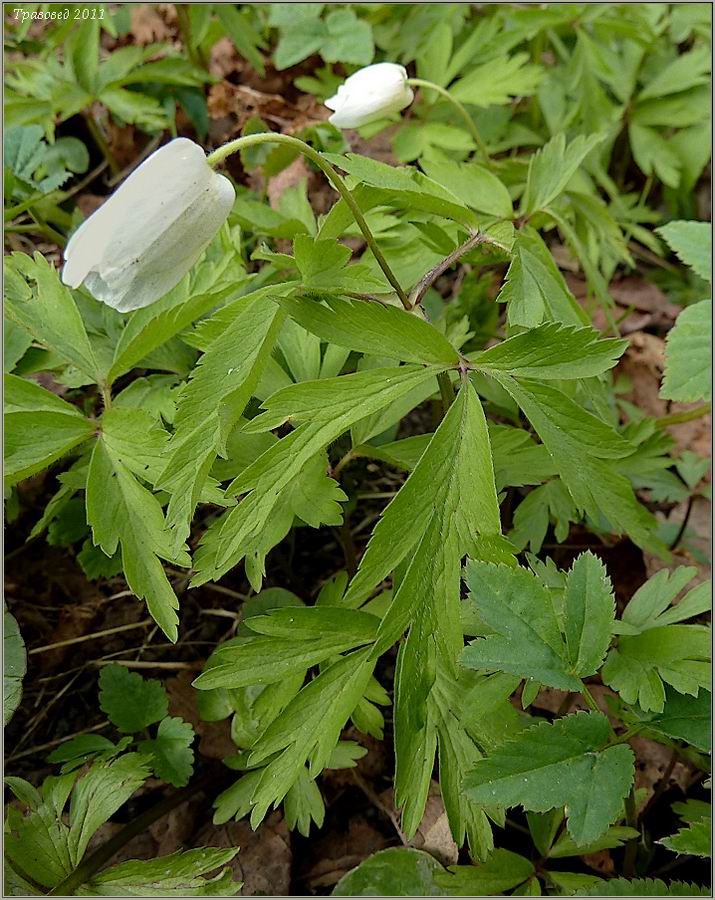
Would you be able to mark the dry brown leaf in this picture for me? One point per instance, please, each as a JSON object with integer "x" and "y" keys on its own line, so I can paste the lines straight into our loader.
{"x": 264, "y": 859}
{"x": 148, "y": 25}
{"x": 337, "y": 852}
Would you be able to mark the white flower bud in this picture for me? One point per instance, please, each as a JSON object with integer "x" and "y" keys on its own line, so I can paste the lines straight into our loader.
{"x": 370, "y": 94}
{"x": 142, "y": 241}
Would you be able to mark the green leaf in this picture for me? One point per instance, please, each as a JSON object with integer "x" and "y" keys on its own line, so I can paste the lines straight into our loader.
{"x": 152, "y": 326}
{"x": 177, "y": 875}
{"x": 534, "y": 288}
{"x": 688, "y": 355}
{"x": 171, "y": 753}
{"x": 214, "y": 399}
{"x": 135, "y": 108}
{"x": 326, "y": 408}
{"x": 48, "y": 312}
{"x": 121, "y": 511}
{"x": 616, "y": 836}
{"x": 372, "y": 327}
{"x": 686, "y": 71}
{"x": 14, "y": 666}
{"x": 131, "y": 702}
{"x": 685, "y": 718}
{"x": 503, "y": 871}
{"x": 396, "y": 872}
{"x": 654, "y": 155}
{"x": 643, "y": 887}
{"x": 589, "y": 610}
{"x": 552, "y": 351}
{"x": 553, "y": 166}
{"x": 579, "y": 443}
{"x": 323, "y": 267}
{"x": 307, "y": 730}
{"x": 560, "y": 764}
{"x": 676, "y": 654}
{"x": 472, "y": 183}
{"x": 293, "y": 641}
{"x": 693, "y": 840}
{"x": 303, "y": 804}
{"x": 40, "y": 428}
{"x": 98, "y": 795}
{"x": 527, "y": 640}
{"x": 456, "y": 463}
{"x": 652, "y": 605}
{"x": 494, "y": 83}
{"x": 692, "y": 243}
{"x": 348, "y": 39}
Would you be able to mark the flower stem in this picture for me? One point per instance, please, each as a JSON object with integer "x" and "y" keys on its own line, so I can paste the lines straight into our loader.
{"x": 101, "y": 142}
{"x": 421, "y": 82}
{"x": 688, "y": 415}
{"x": 327, "y": 169}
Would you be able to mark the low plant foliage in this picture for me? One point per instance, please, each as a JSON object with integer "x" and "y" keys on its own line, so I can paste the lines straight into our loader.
{"x": 189, "y": 440}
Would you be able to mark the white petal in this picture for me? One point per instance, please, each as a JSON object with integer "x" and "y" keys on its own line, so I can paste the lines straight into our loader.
{"x": 140, "y": 281}
{"x": 150, "y": 232}
{"x": 369, "y": 94}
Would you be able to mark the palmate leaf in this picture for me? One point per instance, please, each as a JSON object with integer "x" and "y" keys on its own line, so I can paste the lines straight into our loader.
{"x": 178, "y": 875}
{"x": 172, "y": 758}
{"x": 121, "y": 511}
{"x": 560, "y": 764}
{"x": 371, "y": 327}
{"x": 678, "y": 655}
{"x": 653, "y": 649}
{"x": 323, "y": 267}
{"x": 40, "y": 428}
{"x": 130, "y": 701}
{"x": 579, "y": 444}
{"x": 496, "y": 82}
{"x": 528, "y": 640}
{"x": 307, "y": 730}
{"x": 326, "y": 409}
{"x": 552, "y": 351}
{"x": 462, "y": 505}
{"x": 456, "y": 463}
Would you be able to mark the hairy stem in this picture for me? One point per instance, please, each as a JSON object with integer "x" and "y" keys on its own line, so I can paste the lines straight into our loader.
{"x": 421, "y": 82}
{"x": 428, "y": 279}
{"x": 330, "y": 172}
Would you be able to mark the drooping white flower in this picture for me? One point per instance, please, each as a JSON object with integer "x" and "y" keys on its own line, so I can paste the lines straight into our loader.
{"x": 370, "y": 94}
{"x": 142, "y": 241}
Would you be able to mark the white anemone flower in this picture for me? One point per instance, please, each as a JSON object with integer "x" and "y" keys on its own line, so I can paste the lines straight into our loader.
{"x": 142, "y": 241}
{"x": 370, "y": 94}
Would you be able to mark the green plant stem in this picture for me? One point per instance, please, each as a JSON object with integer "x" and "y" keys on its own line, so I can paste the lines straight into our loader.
{"x": 446, "y": 391}
{"x": 629, "y": 857}
{"x": 688, "y": 415}
{"x": 106, "y": 396}
{"x": 482, "y": 147}
{"x": 428, "y": 279}
{"x": 95, "y": 861}
{"x": 101, "y": 142}
{"x": 327, "y": 169}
